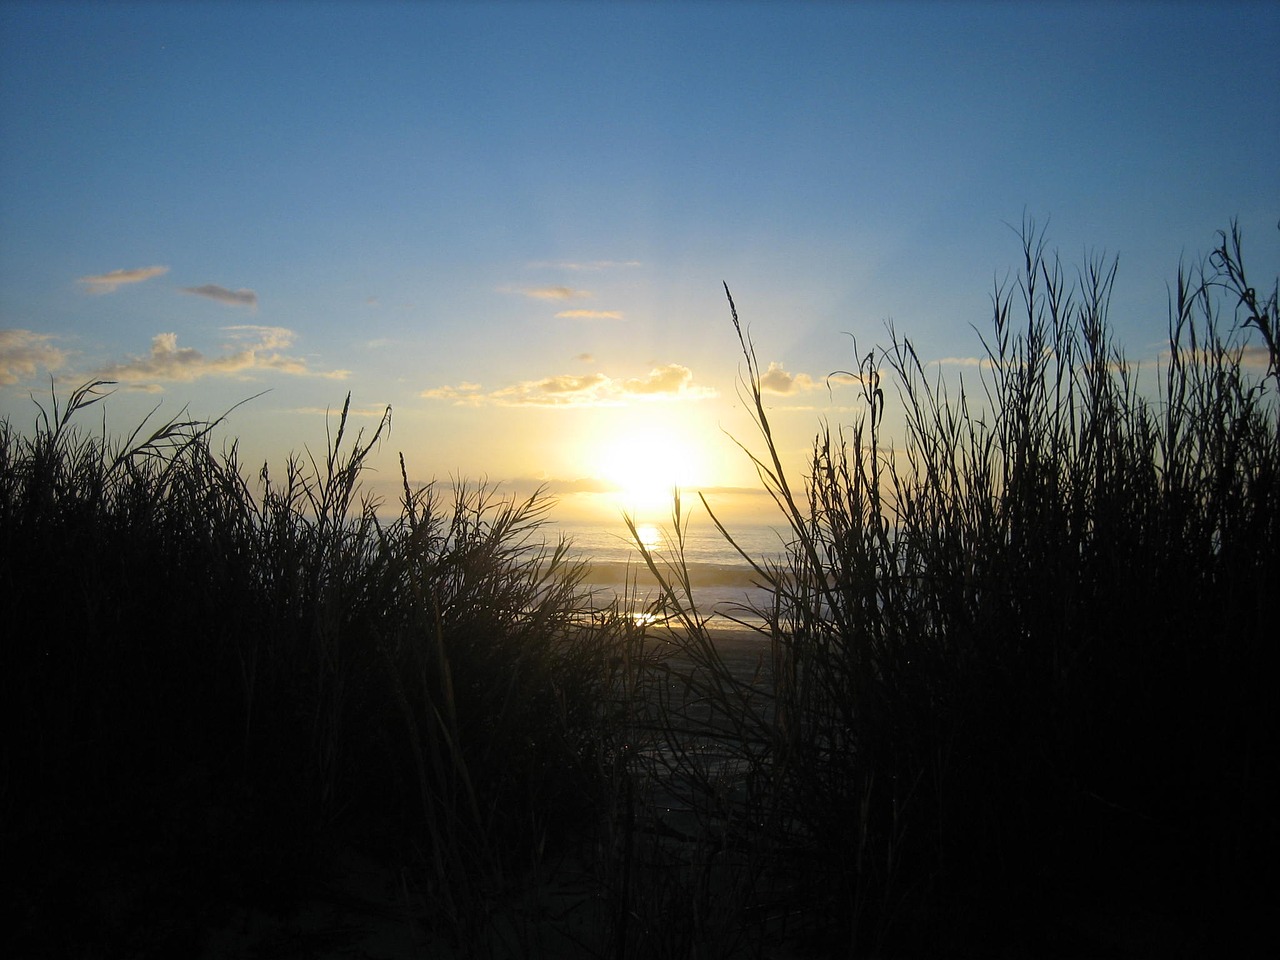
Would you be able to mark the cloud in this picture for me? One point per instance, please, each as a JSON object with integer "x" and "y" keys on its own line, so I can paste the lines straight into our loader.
{"x": 581, "y": 485}
{"x": 590, "y": 314}
{"x": 586, "y": 357}
{"x": 559, "y": 486}
{"x": 364, "y": 413}
{"x": 253, "y": 348}
{"x": 555, "y": 293}
{"x": 671, "y": 382}
{"x": 232, "y": 298}
{"x": 107, "y": 282}
{"x": 271, "y": 338}
{"x": 987, "y": 363}
{"x": 23, "y": 352}
{"x": 1251, "y": 356}
{"x": 671, "y": 379}
{"x": 579, "y": 265}
{"x": 777, "y": 380}
{"x": 462, "y": 393}
{"x": 1255, "y": 355}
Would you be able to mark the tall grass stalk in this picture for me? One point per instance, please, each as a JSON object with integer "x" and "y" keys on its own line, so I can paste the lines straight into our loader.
{"x": 1019, "y": 658}
{"x": 199, "y": 671}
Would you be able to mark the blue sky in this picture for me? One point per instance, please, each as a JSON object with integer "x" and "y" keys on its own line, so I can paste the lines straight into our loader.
{"x": 511, "y": 221}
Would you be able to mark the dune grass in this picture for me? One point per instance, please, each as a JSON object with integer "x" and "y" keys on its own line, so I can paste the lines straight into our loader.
{"x": 1013, "y": 691}
{"x": 229, "y": 681}
{"x": 1020, "y": 691}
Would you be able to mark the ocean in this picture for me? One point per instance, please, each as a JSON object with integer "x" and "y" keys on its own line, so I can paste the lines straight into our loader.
{"x": 724, "y": 585}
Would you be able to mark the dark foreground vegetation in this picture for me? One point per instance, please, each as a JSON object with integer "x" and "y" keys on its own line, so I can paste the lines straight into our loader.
{"x": 1014, "y": 696}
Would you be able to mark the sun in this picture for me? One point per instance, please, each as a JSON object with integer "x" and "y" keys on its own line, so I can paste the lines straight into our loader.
{"x": 646, "y": 464}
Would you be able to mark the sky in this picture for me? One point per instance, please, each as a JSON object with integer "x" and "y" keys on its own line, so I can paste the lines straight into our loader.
{"x": 512, "y": 222}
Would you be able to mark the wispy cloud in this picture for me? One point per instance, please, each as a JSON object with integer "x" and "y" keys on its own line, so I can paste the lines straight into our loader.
{"x": 671, "y": 382}
{"x": 363, "y": 413}
{"x": 559, "y": 486}
{"x": 964, "y": 362}
{"x": 987, "y": 363}
{"x": 23, "y": 353}
{"x": 586, "y": 357}
{"x": 1255, "y": 355}
{"x": 555, "y": 293}
{"x": 590, "y": 314}
{"x": 465, "y": 392}
{"x": 232, "y": 298}
{"x": 252, "y": 348}
{"x": 1251, "y": 356}
{"x": 108, "y": 282}
{"x": 587, "y": 265}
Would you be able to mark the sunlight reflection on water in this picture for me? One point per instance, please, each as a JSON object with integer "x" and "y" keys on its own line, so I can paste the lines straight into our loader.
{"x": 723, "y": 583}
{"x": 650, "y": 537}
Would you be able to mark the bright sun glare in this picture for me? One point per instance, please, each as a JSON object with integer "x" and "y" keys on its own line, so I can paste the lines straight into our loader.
{"x": 646, "y": 465}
